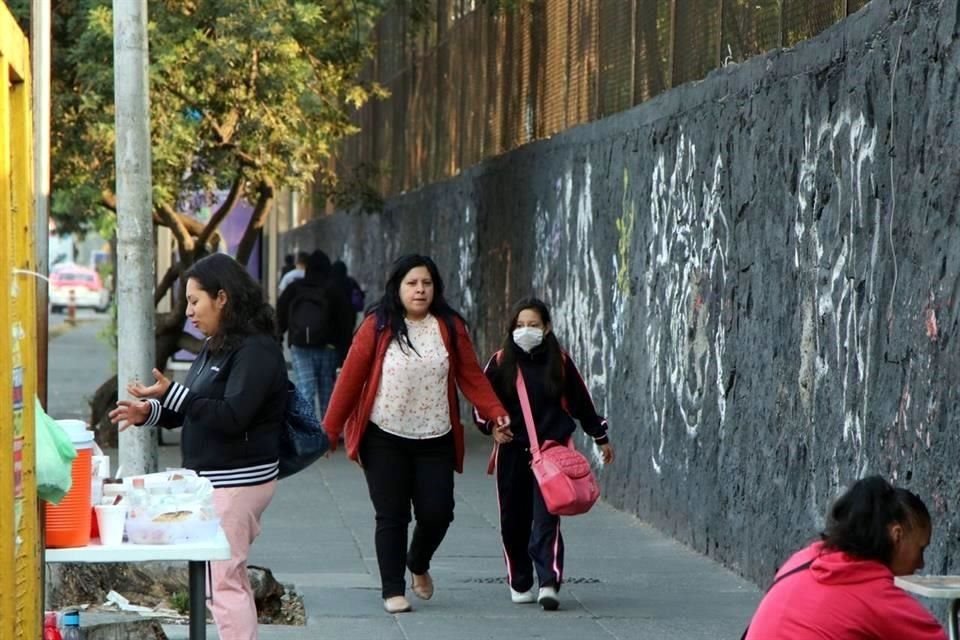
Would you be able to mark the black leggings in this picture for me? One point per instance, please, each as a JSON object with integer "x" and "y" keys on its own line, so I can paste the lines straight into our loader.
{"x": 531, "y": 534}
{"x": 401, "y": 471}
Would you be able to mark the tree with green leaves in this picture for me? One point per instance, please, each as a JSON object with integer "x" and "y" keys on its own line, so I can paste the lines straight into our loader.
{"x": 248, "y": 97}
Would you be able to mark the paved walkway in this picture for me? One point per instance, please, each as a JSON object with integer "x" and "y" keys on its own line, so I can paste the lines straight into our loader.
{"x": 625, "y": 580}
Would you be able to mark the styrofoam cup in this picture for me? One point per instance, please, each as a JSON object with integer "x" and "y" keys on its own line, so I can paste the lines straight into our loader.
{"x": 111, "y": 519}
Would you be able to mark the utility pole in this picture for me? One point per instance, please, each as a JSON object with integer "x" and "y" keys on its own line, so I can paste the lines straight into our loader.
{"x": 40, "y": 48}
{"x": 40, "y": 36}
{"x": 135, "y": 245}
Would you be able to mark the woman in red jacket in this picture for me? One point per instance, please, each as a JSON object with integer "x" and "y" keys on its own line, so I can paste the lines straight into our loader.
{"x": 396, "y": 400}
{"x": 842, "y": 587}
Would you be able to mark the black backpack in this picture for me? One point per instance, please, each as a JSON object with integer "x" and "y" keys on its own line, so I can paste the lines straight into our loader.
{"x": 311, "y": 317}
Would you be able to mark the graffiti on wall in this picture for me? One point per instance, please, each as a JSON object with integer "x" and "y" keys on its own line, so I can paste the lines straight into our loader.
{"x": 838, "y": 232}
{"x": 683, "y": 295}
{"x": 569, "y": 275}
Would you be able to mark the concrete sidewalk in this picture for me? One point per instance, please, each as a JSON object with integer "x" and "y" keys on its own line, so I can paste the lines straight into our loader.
{"x": 624, "y": 579}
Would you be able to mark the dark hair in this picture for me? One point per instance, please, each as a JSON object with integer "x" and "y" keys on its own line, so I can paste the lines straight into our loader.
{"x": 505, "y": 378}
{"x": 858, "y": 521}
{"x": 390, "y": 312}
{"x": 246, "y": 312}
{"x": 317, "y": 268}
{"x": 288, "y": 260}
{"x": 339, "y": 269}
{"x": 303, "y": 256}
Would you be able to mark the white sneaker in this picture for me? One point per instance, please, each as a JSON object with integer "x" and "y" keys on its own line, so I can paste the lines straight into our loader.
{"x": 522, "y": 597}
{"x": 548, "y": 599}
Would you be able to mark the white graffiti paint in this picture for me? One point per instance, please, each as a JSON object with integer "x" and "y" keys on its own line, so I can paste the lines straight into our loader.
{"x": 467, "y": 255}
{"x": 580, "y": 310}
{"x": 684, "y": 294}
{"x": 836, "y": 331}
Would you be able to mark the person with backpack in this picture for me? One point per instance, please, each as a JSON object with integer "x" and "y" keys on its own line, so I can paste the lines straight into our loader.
{"x": 318, "y": 320}
{"x": 842, "y": 586}
{"x": 532, "y": 543}
{"x": 231, "y": 407}
{"x": 396, "y": 400}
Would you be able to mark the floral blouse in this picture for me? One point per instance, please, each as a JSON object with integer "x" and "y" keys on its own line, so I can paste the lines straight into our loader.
{"x": 412, "y": 399}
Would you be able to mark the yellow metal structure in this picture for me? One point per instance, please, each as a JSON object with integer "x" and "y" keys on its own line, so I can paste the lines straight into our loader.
{"x": 20, "y": 553}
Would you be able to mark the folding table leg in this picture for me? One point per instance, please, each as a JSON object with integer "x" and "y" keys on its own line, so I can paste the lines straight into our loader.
{"x": 952, "y": 621}
{"x": 198, "y": 600}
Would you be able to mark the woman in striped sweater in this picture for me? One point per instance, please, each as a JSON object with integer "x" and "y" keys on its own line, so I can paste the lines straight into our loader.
{"x": 231, "y": 408}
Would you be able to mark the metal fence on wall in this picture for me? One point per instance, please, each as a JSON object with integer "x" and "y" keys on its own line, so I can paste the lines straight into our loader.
{"x": 471, "y": 84}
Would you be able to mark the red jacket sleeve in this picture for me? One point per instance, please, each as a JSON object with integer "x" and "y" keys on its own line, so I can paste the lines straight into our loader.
{"x": 471, "y": 379}
{"x": 353, "y": 376}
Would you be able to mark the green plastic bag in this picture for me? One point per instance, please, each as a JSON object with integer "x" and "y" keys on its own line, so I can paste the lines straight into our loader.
{"x": 55, "y": 454}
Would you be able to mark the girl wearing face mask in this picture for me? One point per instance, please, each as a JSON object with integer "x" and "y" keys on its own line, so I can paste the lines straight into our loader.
{"x": 532, "y": 544}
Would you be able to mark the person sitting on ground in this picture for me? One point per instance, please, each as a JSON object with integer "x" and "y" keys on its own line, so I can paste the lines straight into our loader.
{"x": 842, "y": 587}
{"x": 295, "y": 274}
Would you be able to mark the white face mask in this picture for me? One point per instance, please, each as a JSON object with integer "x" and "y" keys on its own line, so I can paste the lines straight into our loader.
{"x": 528, "y": 338}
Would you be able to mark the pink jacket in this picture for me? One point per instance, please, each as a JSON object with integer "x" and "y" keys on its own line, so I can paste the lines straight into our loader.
{"x": 840, "y": 598}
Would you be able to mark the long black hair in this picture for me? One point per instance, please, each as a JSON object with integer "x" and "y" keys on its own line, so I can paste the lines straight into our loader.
{"x": 505, "y": 377}
{"x": 390, "y": 312}
{"x": 859, "y": 520}
{"x": 246, "y": 312}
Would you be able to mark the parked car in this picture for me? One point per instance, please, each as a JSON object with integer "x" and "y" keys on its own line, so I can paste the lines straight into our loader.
{"x": 86, "y": 285}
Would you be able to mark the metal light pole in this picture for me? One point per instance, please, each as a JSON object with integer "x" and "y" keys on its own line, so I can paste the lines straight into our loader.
{"x": 40, "y": 35}
{"x": 135, "y": 245}
{"x": 40, "y": 48}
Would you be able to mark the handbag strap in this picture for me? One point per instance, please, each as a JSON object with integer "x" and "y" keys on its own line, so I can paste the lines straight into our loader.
{"x": 527, "y": 415}
{"x": 796, "y": 569}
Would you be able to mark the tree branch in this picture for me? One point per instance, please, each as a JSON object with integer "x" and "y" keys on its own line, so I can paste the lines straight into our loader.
{"x": 108, "y": 200}
{"x": 170, "y": 219}
{"x": 163, "y": 287}
{"x": 193, "y": 226}
{"x": 214, "y": 223}
{"x": 262, "y": 209}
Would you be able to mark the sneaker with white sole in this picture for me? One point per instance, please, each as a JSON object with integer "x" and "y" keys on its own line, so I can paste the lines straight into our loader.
{"x": 548, "y": 599}
{"x": 522, "y": 597}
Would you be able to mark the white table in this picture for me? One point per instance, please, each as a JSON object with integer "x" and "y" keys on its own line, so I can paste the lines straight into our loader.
{"x": 943, "y": 587}
{"x": 196, "y": 554}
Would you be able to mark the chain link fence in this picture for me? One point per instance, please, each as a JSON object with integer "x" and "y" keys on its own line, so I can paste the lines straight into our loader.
{"x": 471, "y": 83}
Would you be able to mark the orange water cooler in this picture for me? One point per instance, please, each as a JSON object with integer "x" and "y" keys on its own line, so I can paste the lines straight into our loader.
{"x": 68, "y": 523}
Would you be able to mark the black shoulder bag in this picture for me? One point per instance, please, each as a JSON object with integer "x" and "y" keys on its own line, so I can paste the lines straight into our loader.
{"x": 302, "y": 438}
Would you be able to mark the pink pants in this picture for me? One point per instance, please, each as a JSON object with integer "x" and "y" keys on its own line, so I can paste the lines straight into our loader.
{"x": 231, "y": 601}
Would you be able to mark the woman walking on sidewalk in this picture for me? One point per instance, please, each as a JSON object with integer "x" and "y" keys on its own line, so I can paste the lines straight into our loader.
{"x": 557, "y": 394}
{"x": 231, "y": 407}
{"x": 396, "y": 400}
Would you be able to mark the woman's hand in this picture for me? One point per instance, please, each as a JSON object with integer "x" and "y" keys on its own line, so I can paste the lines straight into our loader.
{"x": 502, "y": 434}
{"x": 606, "y": 452}
{"x": 156, "y": 390}
{"x": 130, "y": 412}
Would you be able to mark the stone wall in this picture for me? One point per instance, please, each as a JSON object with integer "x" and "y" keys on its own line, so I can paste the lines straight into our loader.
{"x": 757, "y": 274}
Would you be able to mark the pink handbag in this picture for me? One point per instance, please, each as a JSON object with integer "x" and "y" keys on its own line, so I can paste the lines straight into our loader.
{"x": 566, "y": 480}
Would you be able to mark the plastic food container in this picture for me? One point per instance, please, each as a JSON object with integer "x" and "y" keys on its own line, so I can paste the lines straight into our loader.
{"x": 175, "y": 527}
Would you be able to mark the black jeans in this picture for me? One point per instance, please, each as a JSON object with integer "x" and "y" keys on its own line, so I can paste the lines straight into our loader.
{"x": 531, "y": 534}
{"x": 401, "y": 471}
